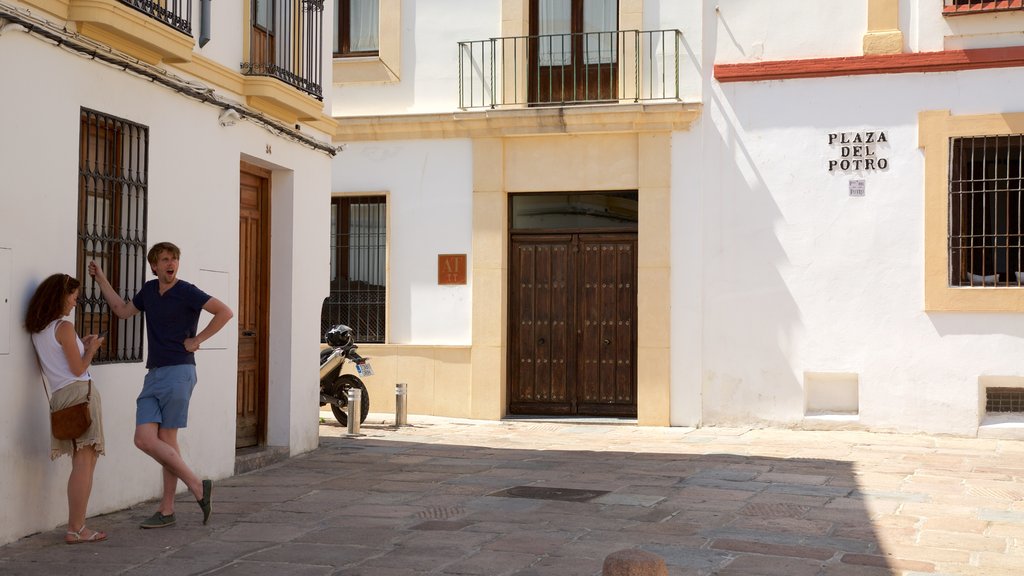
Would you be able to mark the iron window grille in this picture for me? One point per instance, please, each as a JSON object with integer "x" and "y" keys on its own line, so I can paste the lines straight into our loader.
{"x": 1004, "y": 400}
{"x": 284, "y": 43}
{"x": 358, "y": 267}
{"x": 112, "y": 204}
{"x": 954, "y": 7}
{"x": 985, "y": 204}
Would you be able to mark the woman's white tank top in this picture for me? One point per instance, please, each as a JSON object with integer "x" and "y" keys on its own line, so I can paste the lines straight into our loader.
{"x": 51, "y": 355}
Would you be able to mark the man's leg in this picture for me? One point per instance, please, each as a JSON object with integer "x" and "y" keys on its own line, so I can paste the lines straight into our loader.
{"x": 153, "y": 440}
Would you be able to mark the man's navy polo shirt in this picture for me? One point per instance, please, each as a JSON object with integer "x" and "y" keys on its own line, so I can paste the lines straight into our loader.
{"x": 171, "y": 318}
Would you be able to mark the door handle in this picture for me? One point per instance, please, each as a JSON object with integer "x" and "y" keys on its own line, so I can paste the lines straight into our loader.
{"x": 607, "y": 341}
{"x": 248, "y": 332}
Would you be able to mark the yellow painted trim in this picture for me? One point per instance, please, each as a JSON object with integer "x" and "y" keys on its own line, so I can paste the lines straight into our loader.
{"x": 58, "y": 8}
{"x": 438, "y": 378}
{"x": 217, "y": 74}
{"x": 130, "y": 31}
{"x": 214, "y": 73}
{"x": 629, "y": 118}
{"x": 935, "y": 128}
{"x": 883, "y": 35}
{"x": 387, "y": 65}
{"x": 272, "y": 96}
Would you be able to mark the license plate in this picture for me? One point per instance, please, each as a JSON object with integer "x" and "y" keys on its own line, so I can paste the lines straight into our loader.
{"x": 364, "y": 369}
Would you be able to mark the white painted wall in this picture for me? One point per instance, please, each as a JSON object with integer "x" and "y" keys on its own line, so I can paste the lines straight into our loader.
{"x": 755, "y": 31}
{"x": 430, "y": 198}
{"x": 799, "y": 276}
{"x": 193, "y": 201}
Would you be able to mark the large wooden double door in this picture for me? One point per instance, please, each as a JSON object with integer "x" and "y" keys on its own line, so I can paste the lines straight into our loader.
{"x": 572, "y": 317}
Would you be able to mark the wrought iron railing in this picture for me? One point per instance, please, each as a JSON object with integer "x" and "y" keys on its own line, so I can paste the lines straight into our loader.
{"x": 175, "y": 13}
{"x": 286, "y": 44}
{"x": 578, "y": 68}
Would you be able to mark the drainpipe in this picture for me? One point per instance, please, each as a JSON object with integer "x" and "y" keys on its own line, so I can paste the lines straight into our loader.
{"x": 204, "y": 22}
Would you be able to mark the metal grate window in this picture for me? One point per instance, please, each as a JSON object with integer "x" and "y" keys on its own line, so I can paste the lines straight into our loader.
{"x": 1004, "y": 400}
{"x": 985, "y": 193}
{"x": 112, "y": 185}
{"x": 954, "y": 7}
{"x": 358, "y": 267}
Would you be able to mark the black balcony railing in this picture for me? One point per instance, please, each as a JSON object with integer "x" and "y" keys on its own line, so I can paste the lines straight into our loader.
{"x": 286, "y": 44}
{"x": 175, "y": 13}
{"x": 579, "y": 68}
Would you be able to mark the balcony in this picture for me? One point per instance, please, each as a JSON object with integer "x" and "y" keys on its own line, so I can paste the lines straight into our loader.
{"x": 285, "y": 43}
{"x": 570, "y": 69}
{"x": 127, "y": 25}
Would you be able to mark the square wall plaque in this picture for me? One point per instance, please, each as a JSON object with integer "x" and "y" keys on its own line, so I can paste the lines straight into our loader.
{"x": 451, "y": 269}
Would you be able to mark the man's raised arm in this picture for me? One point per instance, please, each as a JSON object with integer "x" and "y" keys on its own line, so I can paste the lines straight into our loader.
{"x": 121, "y": 308}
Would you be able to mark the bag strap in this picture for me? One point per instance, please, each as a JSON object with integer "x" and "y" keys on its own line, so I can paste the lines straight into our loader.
{"x": 42, "y": 376}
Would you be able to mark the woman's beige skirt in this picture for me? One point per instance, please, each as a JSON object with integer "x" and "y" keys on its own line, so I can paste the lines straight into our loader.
{"x": 70, "y": 395}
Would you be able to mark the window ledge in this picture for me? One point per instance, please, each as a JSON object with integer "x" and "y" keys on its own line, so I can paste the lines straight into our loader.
{"x": 363, "y": 70}
{"x": 608, "y": 118}
{"x": 130, "y": 31}
{"x": 983, "y": 7}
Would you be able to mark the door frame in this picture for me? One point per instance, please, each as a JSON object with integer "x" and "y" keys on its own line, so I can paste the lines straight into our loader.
{"x": 263, "y": 298}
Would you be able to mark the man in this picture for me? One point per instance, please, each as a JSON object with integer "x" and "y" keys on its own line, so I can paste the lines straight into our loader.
{"x": 172, "y": 308}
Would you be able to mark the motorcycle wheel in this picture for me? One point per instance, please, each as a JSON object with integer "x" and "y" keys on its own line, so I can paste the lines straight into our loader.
{"x": 341, "y": 387}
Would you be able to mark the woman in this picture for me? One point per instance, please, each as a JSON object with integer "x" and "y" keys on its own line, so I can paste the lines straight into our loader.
{"x": 65, "y": 360}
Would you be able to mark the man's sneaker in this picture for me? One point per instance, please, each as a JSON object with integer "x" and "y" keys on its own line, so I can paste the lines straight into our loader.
{"x": 157, "y": 520}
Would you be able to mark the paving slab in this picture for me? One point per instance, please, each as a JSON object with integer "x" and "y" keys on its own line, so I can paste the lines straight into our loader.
{"x": 555, "y": 497}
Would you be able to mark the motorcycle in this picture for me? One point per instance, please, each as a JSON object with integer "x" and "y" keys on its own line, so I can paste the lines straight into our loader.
{"x": 334, "y": 385}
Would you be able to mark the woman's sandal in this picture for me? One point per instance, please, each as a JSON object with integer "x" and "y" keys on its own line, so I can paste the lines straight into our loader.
{"x": 72, "y": 537}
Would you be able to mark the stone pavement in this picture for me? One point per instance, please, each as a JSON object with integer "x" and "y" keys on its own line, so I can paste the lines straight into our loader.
{"x": 546, "y": 498}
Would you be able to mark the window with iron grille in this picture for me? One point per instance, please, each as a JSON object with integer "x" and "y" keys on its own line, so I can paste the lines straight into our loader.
{"x": 985, "y": 193}
{"x": 954, "y": 7}
{"x": 1004, "y": 400}
{"x": 358, "y": 267}
{"x": 112, "y": 183}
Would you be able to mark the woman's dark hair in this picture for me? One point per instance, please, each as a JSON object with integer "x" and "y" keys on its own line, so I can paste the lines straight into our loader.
{"x": 47, "y": 303}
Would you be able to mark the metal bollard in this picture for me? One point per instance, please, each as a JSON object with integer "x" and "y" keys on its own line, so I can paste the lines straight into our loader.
{"x": 401, "y": 394}
{"x": 355, "y": 398}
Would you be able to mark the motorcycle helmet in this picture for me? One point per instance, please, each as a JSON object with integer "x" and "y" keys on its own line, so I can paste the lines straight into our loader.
{"x": 339, "y": 336}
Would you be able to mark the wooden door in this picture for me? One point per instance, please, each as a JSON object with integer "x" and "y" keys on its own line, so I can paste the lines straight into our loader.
{"x": 606, "y": 355}
{"x": 253, "y": 304}
{"x": 573, "y": 325}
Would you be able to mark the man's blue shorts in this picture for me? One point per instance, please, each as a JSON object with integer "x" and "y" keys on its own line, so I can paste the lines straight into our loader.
{"x": 165, "y": 395}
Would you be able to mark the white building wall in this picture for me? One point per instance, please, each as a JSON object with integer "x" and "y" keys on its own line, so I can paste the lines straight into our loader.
{"x": 800, "y": 277}
{"x": 192, "y": 201}
{"x": 430, "y": 198}
{"x": 756, "y": 31}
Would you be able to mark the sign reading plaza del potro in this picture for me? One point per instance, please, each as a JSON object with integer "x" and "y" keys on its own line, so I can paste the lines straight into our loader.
{"x": 858, "y": 151}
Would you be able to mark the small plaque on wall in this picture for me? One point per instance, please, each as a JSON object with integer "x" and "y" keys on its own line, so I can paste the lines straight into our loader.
{"x": 451, "y": 269}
